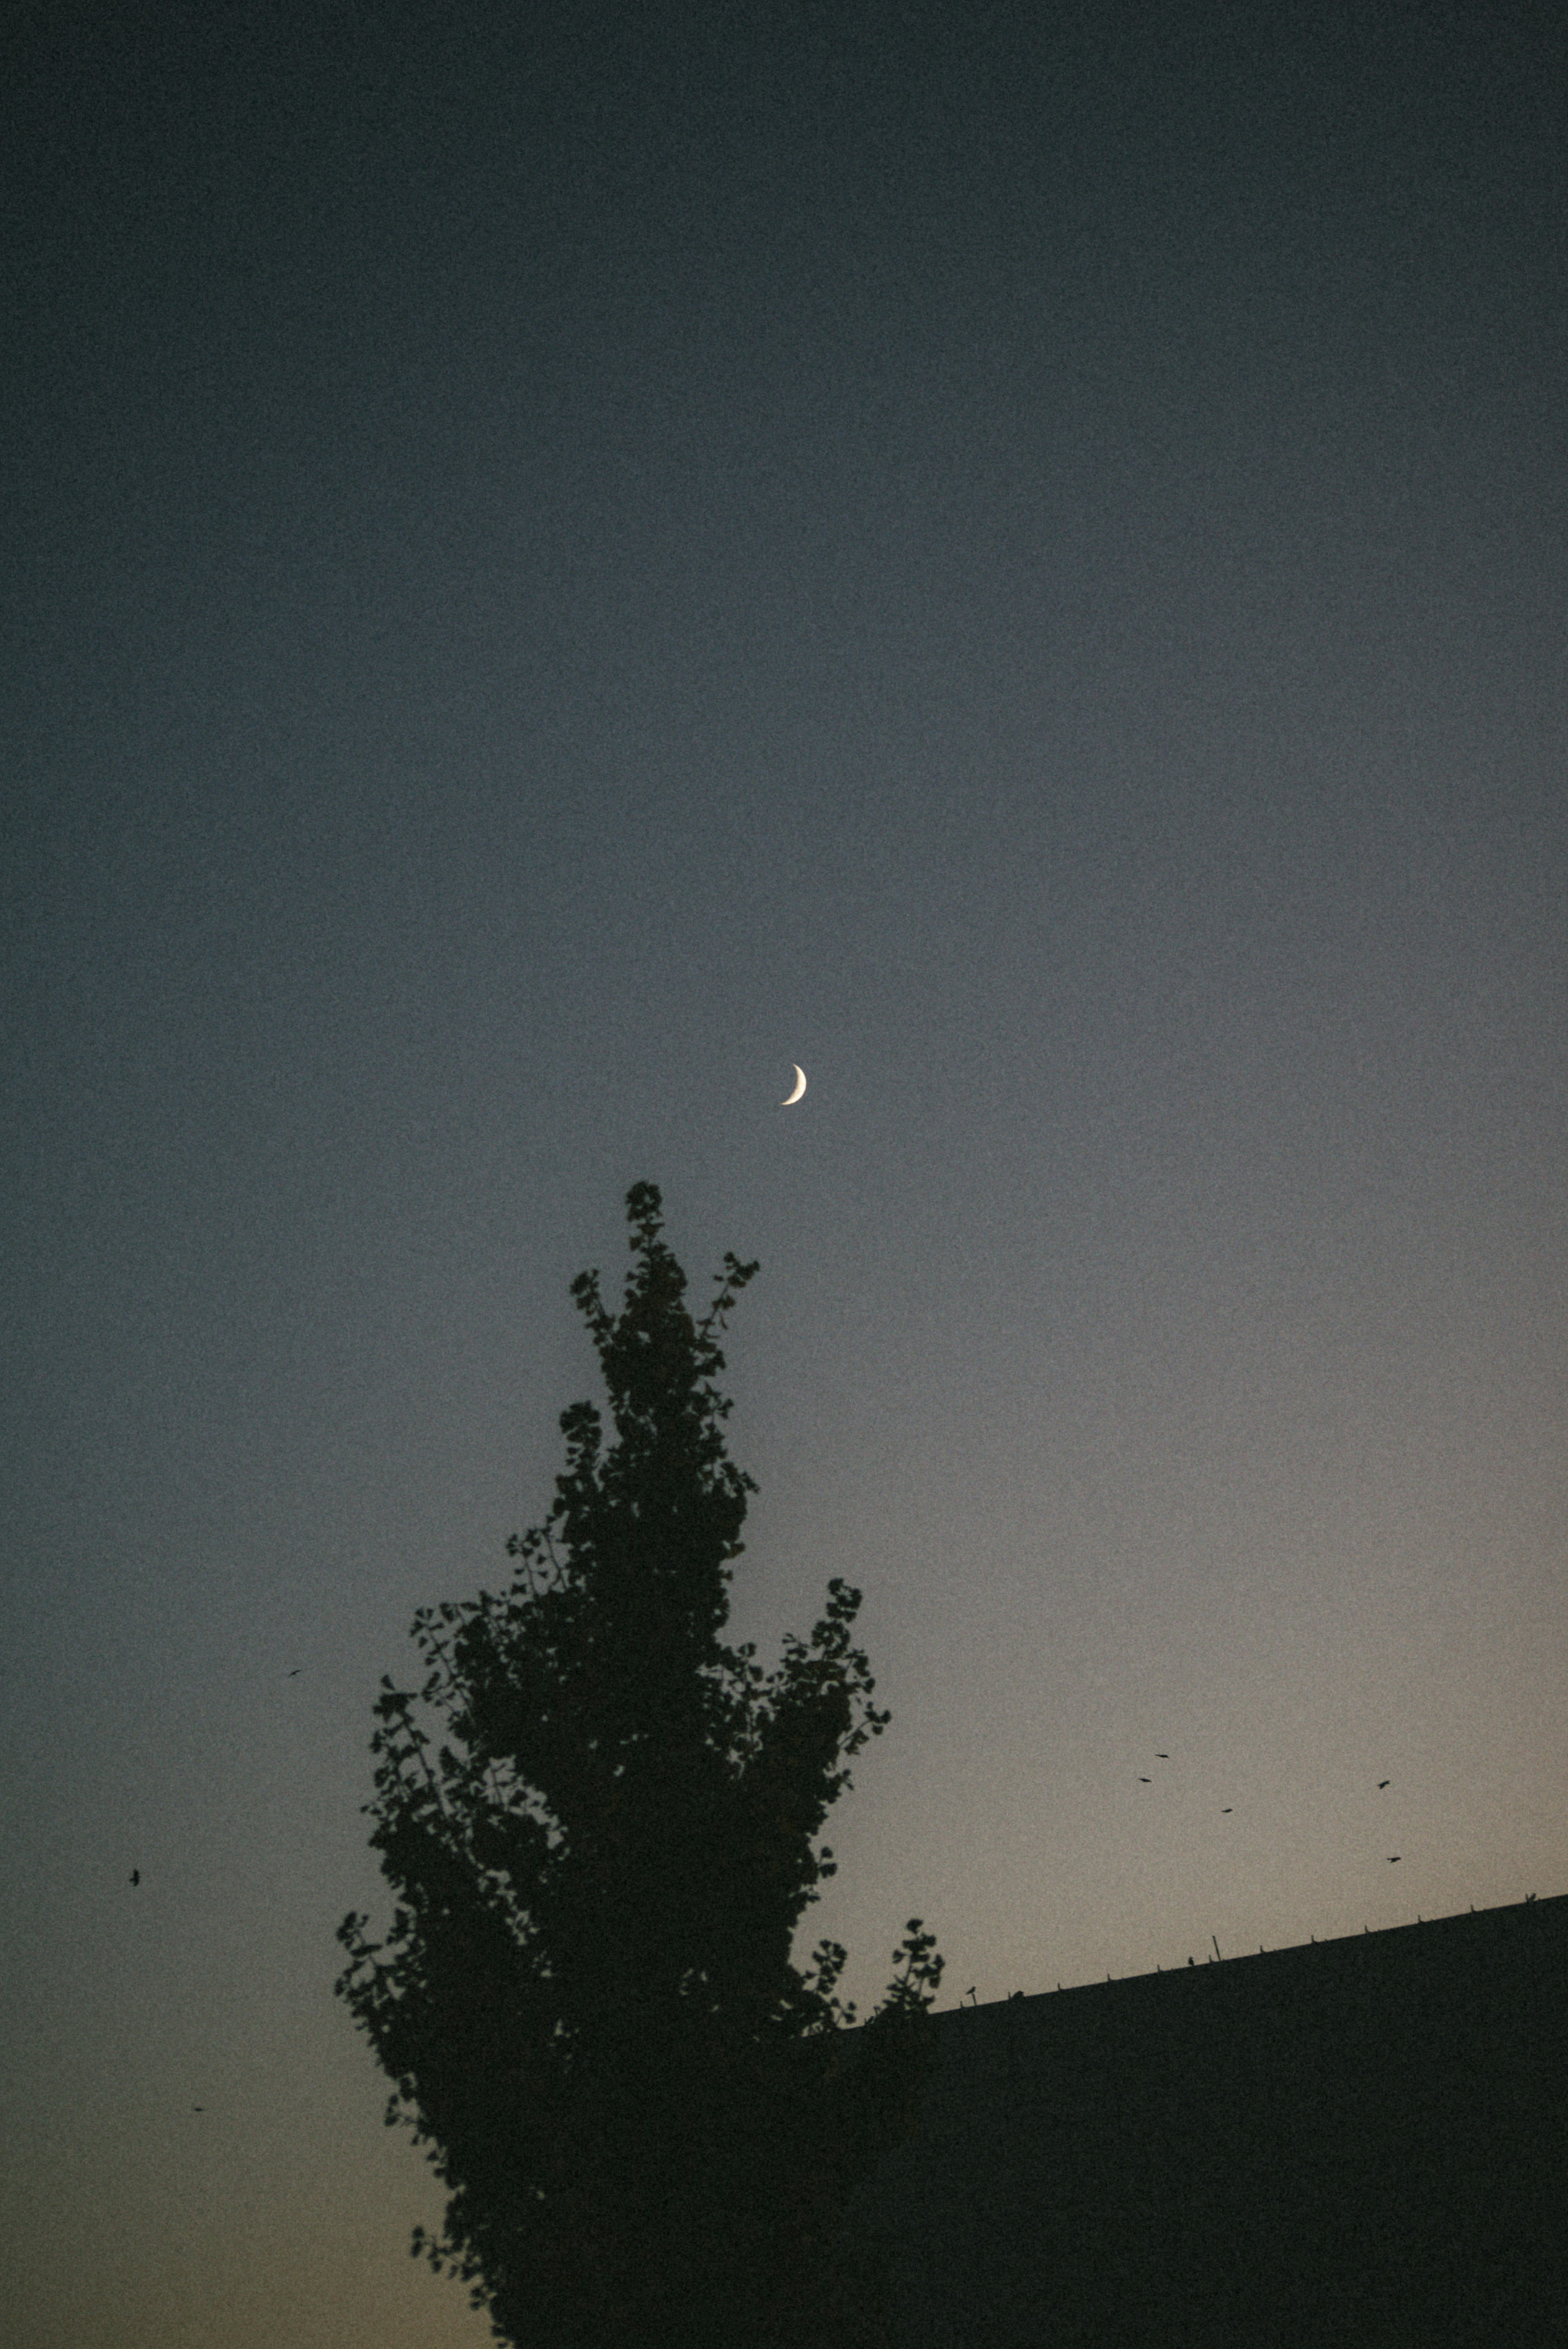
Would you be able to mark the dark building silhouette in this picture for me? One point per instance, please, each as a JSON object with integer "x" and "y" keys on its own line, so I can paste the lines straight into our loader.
{"x": 1362, "y": 2144}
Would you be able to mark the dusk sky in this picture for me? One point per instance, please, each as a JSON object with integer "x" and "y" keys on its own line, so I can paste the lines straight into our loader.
{"x": 560, "y": 562}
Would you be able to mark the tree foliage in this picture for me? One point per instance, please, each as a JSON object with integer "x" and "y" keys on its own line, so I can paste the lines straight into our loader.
{"x": 648, "y": 2119}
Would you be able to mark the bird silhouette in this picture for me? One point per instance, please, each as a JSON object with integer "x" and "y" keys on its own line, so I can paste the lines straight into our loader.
{"x": 293, "y": 1675}
{"x": 198, "y": 2108}
{"x": 1146, "y": 1781}
{"x": 1383, "y": 1782}
{"x": 136, "y": 1875}
{"x": 1226, "y": 1812}
{"x": 1393, "y": 1859}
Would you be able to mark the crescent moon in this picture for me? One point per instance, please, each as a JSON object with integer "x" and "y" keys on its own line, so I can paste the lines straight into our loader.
{"x": 790, "y": 1099}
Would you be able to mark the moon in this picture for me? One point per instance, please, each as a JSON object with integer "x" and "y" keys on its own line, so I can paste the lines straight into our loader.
{"x": 790, "y": 1099}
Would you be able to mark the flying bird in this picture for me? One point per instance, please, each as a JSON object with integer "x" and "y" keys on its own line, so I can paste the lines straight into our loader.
{"x": 293, "y": 1675}
{"x": 1163, "y": 1757}
{"x": 1393, "y": 1859}
{"x": 1227, "y": 1810}
{"x": 1383, "y": 1782}
{"x": 1146, "y": 1781}
{"x": 136, "y": 1875}
{"x": 198, "y": 2108}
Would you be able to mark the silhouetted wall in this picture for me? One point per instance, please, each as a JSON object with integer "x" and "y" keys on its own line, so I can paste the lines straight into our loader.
{"x": 1350, "y": 2145}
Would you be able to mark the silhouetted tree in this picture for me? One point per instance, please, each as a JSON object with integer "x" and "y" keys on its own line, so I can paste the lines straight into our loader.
{"x": 649, "y": 2120}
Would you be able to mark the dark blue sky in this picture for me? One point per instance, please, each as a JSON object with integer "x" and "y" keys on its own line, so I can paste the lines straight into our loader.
{"x": 559, "y": 563}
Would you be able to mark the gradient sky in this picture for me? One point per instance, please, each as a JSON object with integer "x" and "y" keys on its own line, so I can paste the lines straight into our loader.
{"x": 559, "y": 563}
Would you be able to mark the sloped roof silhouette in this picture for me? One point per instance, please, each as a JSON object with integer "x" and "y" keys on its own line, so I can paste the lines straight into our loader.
{"x": 1353, "y": 2140}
